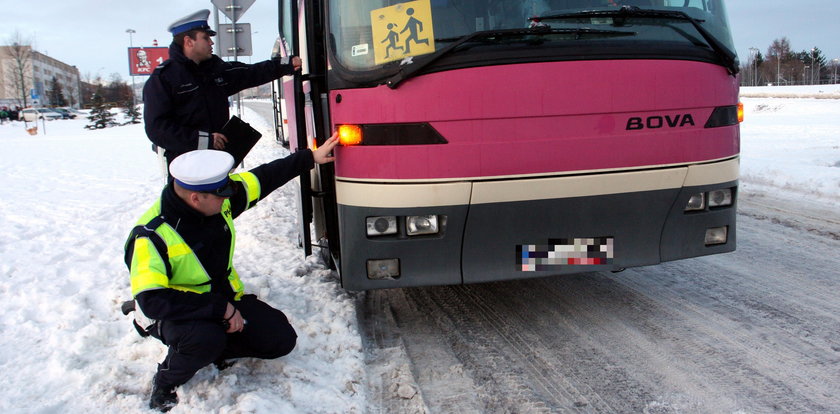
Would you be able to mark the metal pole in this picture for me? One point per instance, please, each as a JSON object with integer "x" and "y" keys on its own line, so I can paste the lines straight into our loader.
{"x": 233, "y": 27}
{"x": 233, "y": 8}
{"x": 818, "y": 72}
{"x": 778, "y": 68}
{"x": 130, "y": 45}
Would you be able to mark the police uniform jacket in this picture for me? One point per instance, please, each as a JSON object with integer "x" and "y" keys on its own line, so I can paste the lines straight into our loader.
{"x": 185, "y": 102}
{"x": 210, "y": 239}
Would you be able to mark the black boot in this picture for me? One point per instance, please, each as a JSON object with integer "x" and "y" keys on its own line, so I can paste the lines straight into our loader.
{"x": 222, "y": 364}
{"x": 163, "y": 398}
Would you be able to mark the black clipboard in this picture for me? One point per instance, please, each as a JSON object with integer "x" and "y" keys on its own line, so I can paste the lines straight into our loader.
{"x": 241, "y": 138}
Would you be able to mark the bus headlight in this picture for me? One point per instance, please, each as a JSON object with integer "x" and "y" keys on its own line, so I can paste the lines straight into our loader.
{"x": 421, "y": 225}
{"x": 720, "y": 198}
{"x": 381, "y": 225}
{"x": 696, "y": 202}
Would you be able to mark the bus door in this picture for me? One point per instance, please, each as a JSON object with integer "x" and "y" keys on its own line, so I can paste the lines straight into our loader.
{"x": 303, "y": 94}
{"x": 294, "y": 99}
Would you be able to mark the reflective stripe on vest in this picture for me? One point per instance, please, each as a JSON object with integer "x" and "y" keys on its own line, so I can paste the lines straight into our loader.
{"x": 251, "y": 184}
{"x": 147, "y": 268}
{"x": 233, "y": 277}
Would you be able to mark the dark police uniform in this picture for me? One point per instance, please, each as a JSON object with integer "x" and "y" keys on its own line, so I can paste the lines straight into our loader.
{"x": 186, "y": 102}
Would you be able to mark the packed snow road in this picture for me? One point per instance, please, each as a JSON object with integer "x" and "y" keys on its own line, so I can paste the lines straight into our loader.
{"x": 753, "y": 331}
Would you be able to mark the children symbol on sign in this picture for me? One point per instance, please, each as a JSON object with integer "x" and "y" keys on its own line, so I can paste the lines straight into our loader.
{"x": 413, "y": 26}
{"x": 392, "y": 38}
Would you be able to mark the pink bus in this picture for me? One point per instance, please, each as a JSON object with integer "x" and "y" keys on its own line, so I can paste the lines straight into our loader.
{"x": 497, "y": 140}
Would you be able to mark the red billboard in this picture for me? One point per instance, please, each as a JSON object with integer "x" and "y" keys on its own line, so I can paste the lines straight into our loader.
{"x": 144, "y": 60}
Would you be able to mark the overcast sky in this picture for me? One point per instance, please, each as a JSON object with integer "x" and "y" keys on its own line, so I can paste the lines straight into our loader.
{"x": 91, "y": 34}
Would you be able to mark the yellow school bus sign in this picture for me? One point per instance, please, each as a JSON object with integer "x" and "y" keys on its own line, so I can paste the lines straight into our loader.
{"x": 402, "y": 30}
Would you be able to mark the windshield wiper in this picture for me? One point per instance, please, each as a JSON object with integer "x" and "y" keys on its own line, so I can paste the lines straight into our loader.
{"x": 730, "y": 59}
{"x": 409, "y": 71}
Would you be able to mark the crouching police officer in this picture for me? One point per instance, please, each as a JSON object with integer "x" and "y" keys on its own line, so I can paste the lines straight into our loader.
{"x": 180, "y": 258}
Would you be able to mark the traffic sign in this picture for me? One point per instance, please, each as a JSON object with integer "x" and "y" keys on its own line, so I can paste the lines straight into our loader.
{"x": 233, "y": 9}
{"x": 234, "y": 40}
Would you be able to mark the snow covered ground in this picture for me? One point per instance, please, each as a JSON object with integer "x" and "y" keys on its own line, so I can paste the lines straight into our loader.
{"x": 791, "y": 146}
{"x": 70, "y": 196}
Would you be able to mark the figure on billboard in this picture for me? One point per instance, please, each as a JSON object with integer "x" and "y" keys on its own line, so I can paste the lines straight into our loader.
{"x": 143, "y": 64}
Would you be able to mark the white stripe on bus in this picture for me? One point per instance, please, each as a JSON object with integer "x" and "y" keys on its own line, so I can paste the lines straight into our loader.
{"x": 406, "y": 195}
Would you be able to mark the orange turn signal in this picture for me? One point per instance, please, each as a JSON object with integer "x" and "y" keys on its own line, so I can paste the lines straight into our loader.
{"x": 740, "y": 112}
{"x": 349, "y": 134}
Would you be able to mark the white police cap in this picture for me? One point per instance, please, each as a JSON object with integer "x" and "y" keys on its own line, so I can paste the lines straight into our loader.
{"x": 195, "y": 21}
{"x": 203, "y": 170}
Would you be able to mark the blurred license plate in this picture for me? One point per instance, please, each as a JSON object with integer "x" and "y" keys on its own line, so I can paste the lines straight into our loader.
{"x": 565, "y": 252}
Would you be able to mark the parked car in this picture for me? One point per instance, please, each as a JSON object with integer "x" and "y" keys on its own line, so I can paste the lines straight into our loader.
{"x": 66, "y": 114}
{"x": 33, "y": 114}
{"x": 73, "y": 110}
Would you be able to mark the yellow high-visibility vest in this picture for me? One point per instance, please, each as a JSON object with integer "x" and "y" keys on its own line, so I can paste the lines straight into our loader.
{"x": 177, "y": 267}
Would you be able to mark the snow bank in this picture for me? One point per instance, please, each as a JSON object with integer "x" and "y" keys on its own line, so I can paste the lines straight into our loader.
{"x": 804, "y": 91}
{"x": 791, "y": 146}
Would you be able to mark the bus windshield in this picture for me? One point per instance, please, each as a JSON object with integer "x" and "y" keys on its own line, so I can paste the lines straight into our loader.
{"x": 378, "y": 36}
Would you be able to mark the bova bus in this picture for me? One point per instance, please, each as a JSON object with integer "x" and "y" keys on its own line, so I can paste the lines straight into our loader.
{"x": 497, "y": 140}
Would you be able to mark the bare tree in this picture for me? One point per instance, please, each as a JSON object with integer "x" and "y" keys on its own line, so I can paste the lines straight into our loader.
{"x": 783, "y": 65}
{"x": 20, "y": 76}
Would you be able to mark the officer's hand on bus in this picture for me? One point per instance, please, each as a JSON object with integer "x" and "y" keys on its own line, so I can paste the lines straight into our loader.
{"x": 322, "y": 154}
{"x": 234, "y": 320}
{"x": 296, "y": 63}
{"x": 219, "y": 141}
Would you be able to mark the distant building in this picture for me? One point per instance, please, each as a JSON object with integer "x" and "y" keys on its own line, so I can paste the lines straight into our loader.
{"x": 38, "y": 78}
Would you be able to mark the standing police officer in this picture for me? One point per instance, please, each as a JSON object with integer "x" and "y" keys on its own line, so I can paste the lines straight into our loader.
{"x": 186, "y": 97}
{"x": 180, "y": 256}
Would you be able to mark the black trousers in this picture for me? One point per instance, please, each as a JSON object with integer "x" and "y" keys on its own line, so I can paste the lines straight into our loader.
{"x": 194, "y": 344}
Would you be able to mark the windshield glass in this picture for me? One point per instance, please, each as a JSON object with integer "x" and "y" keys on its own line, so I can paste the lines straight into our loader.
{"x": 372, "y": 35}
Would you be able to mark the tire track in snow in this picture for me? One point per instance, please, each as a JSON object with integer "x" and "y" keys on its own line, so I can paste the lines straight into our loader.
{"x": 752, "y": 331}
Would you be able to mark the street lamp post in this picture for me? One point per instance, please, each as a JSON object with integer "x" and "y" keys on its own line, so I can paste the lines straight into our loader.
{"x": 753, "y": 56}
{"x": 812, "y": 66}
{"x": 130, "y": 45}
{"x": 835, "y": 61}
